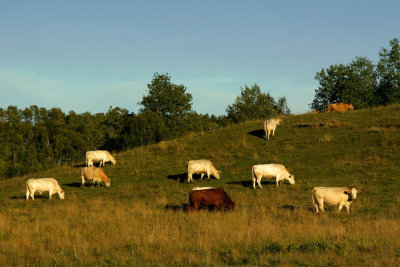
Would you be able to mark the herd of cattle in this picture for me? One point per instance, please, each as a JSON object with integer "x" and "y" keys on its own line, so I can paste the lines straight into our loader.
{"x": 208, "y": 197}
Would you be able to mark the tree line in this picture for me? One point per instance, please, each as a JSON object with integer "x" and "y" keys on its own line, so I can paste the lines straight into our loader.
{"x": 361, "y": 82}
{"x": 33, "y": 139}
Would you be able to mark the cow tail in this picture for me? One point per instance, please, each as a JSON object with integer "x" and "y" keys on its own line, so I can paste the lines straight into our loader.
{"x": 314, "y": 200}
{"x": 253, "y": 175}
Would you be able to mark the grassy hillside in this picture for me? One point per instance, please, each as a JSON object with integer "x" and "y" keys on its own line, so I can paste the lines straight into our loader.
{"x": 141, "y": 219}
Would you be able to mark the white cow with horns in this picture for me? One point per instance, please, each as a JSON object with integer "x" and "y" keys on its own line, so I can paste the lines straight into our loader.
{"x": 269, "y": 171}
{"x": 342, "y": 196}
{"x": 101, "y": 156}
{"x": 42, "y": 185}
{"x": 202, "y": 166}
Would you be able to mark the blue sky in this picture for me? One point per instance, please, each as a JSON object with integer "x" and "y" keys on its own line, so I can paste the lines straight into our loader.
{"x": 90, "y": 55}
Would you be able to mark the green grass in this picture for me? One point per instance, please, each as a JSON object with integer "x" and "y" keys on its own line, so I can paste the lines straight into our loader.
{"x": 141, "y": 218}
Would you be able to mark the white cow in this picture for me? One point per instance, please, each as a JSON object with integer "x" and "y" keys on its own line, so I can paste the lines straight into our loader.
{"x": 202, "y": 188}
{"x": 202, "y": 166}
{"x": 269, "y": 171}
{"x": 42, "y": 185}
{"x": 101, "y": 156}
{"x": 270, "y": 125}
{"x": 342, "y": 196}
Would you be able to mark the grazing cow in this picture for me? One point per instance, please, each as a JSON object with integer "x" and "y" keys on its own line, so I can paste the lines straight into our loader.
{"x": 269, "y": 171}
{"x": 342, "y": 196}
{"x": 210, "y": 198}
{"x": 101, "y": 156}
{"x": 95, "y": 174}
{"x": 270, "y": 126}
{"x": 202, "y": 166}
{"x": 339, "y": 107}
{"x": 42, "y": 185}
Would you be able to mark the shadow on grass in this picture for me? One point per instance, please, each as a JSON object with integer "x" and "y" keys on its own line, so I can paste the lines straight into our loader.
{"x": 258, "y": 133}
{"x": 183, "y": 207}
{"x": 79, "y": 165}
{"x": 288, "y": 207}
{"x": 77, "y": 185}
{"x": 178, "y": 177}
{"x": 249, "y": 183}
{"x": 37, "y": 196}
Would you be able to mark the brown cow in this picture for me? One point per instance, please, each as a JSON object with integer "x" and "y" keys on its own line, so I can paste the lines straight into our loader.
{"x": 210, "y": 198}
{"x": 95, "y": 174}
{"x": 339, "y": 107}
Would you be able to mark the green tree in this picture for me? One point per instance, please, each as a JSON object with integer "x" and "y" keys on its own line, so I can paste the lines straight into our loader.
{"x": 169, "y": 101}
{"x": 253, "y": 104}
{"x": 388, "y": 89}
{"x": 352, "y": 83}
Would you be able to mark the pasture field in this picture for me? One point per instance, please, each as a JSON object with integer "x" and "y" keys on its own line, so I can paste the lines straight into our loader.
{"x": 142, "y": 220}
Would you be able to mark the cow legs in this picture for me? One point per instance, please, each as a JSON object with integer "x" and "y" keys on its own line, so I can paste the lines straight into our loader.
{"x": 267, "y": 134}
{"x": 273, "y": 132}
{"x": 33, "y": 194}
{"x": 321, "y": 205}
{"x": 189, "y": 177}
{"x": 50, "y": 193}
{"x": 259, "y": 181}
{"x": 202, "y": 175}
{"x": 208, "y": 175}
{"x": 348, "y": 208}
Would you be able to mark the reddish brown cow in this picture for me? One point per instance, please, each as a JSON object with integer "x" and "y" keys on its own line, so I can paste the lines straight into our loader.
{"x": 339, "y": 107}
{"x": 210, "y": 198}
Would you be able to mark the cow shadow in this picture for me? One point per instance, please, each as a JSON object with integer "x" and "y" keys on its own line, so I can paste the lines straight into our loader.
{"x": 249, "y": 183}
{"x": 74, "y": 184}
{"x": 79, "y": 165}
{"x": 260, "y": 133}
{"x": 37, "y": 196}
{"x": 175, "y": 208}
{"x": 178, "y": 177}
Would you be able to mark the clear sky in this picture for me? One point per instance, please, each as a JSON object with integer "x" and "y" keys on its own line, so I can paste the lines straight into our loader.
{"x": 90, "y": 55}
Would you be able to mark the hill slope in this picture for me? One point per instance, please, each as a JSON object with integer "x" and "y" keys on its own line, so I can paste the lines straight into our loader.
{"x": 141, "y": 219}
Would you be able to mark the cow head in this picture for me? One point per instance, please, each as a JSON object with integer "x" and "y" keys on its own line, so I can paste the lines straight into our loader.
{"x": 278, "y": 121}
{"x": 232, "y": 205}
{"x": 291, "y": 179}
{"x": 217, "y": 174}
{"x": 113, "y": 160}
{"x": 61, "y": 194}
{"x": 352, "y": 193}
{"x": 107, "y": 183}
{"x": 350, "y": 106}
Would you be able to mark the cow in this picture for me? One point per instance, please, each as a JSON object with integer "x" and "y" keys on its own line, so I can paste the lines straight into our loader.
{"x": 202, "y": 188}
{"x": 202, "y": 166}
{"x": 269, "y": 171}
{"x": 270, "y": 126}
{"x": 95, "y": 174}
{"x": 342, "y": 196}
{"x": 42, "y": 185}
{"x": 339, "y": 107}
{"x": 101, "y": 156}
{"x": 210, "y": 198}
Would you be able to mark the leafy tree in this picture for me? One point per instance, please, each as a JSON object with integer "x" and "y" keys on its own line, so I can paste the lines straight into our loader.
{"x": 253, "y": 104}
{"x": 352, "y": 83}
{"x": 171, "y": 102}
{"x": 388, "y": 90}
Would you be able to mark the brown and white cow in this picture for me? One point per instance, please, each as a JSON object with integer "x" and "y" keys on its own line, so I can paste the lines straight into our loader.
{"x": 339, "y": 107}
{"x": 270, "y": 126}
{"x": 42, "y": 185}
{"x": 210, "y": 198}
{"x": 101, "y": 156}
{"x": 269, "y": 171}
{"x": 95, "y": 174}
{"x": 342, "y": 196}
{"x": 202, "y": 166}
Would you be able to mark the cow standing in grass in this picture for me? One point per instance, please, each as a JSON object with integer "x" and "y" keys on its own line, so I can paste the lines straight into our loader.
{"x": 269, "y": 171}
{"x": 42, "y": 185}
{"x": 202, "y": 166}
{"x": 339, "y": 107}
{"x": 270, "y": 126}
{"x": 96, "y": 175}
{"x": 342, "y": 196}
{"x": 210, "y": 198}
{"x": 101, "y": 156}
